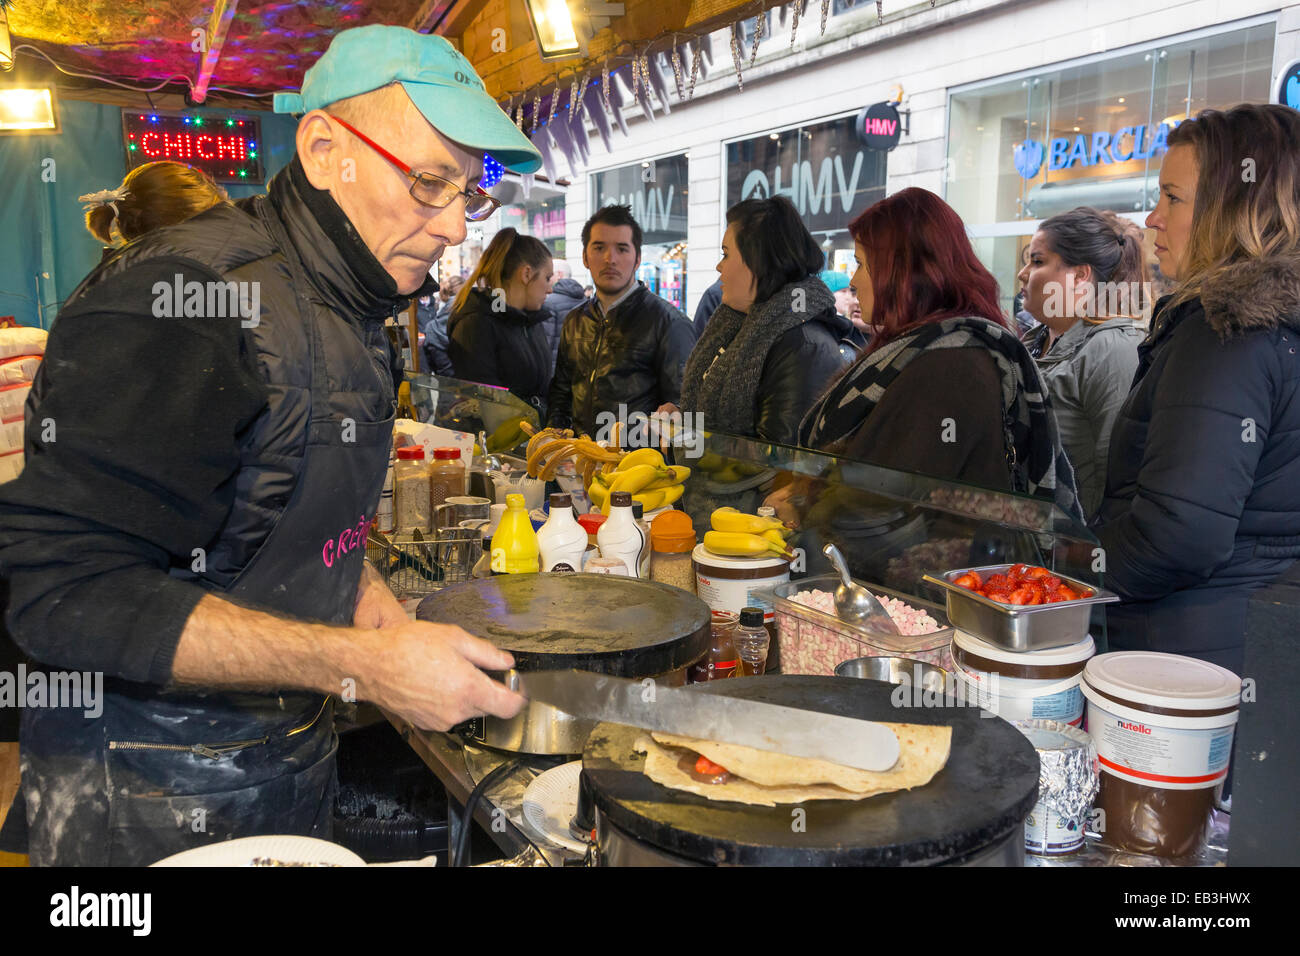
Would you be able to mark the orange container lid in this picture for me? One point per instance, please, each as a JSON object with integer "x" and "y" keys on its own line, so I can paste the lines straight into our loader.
{"x": 672, "y": 532}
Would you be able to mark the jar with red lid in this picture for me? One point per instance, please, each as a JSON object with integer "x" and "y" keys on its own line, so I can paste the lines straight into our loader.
{"x": 411, "y": 508}
{"x": 446, "y": 476}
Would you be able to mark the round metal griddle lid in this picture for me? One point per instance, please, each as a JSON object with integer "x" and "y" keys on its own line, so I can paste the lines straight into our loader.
{"x": 596, "y": 622}
{"x": 985, "y": 790}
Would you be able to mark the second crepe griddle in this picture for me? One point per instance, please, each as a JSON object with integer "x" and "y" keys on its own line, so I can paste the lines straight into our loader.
{"x": 594, "y": 622}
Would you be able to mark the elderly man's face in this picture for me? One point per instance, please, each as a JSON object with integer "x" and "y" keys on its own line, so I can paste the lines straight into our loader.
{"x": 405, "y": 236}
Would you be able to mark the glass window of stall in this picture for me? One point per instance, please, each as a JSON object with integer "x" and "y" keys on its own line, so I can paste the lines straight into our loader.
{"x": 824, "y": 168}
{"x": 1091, "y": 133}
{"x": 658, "y": 191}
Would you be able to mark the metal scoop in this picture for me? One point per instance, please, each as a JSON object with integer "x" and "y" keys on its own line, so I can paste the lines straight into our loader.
{"x": 854, "y": 603}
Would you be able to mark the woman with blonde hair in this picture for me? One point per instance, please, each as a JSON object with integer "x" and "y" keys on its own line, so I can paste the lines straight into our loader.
{"x": 150, "y": 197}
{"x": 496, "y": 333}
{"x": 1202, "y": 501}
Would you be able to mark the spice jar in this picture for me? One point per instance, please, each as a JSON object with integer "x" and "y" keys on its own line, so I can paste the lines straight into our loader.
{"x": 446, "y": 476}
{"x": 412, "y": 511}
{"x": 672, "y": 539}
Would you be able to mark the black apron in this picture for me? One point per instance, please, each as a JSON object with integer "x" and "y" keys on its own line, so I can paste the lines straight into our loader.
{"x": 162, "y": 772}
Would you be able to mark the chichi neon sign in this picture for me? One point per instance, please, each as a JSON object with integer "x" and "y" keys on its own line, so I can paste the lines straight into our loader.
{"x": 1094, "y": 149}
{"x": 223, "y": 146}
{"x": 193, "y": 146}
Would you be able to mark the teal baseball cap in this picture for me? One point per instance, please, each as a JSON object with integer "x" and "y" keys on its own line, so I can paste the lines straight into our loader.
{"x": 440, "y": 82}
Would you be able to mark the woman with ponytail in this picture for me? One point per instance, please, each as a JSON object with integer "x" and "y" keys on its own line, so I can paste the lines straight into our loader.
{"x": 1085, "y": 279}
{"x": 150, "y": 197}
{"x": 496, "y": 334}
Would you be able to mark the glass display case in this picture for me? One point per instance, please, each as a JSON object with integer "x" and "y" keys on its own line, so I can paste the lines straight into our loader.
{"x": 893, "y": 527}
{"x": 471, "y": 407}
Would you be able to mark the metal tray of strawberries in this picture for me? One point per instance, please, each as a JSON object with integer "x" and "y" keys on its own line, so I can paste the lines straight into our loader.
{"x": 1016, "y": 627}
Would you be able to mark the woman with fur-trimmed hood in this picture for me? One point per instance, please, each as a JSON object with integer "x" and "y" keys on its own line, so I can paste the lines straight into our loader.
{"x": 1202, "y": 501}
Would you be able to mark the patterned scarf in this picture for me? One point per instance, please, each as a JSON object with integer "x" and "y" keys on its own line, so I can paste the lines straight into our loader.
{"x": 1035, "y": 455}
{"x": 723, "y": 371}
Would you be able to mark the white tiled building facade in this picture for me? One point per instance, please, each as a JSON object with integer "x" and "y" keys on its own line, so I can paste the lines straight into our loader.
{"x": 927, "y": 51}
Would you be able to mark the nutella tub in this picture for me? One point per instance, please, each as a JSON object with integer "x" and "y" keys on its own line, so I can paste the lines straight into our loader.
{"x": 730, "y": 584}
{"x": 1023, "y": 685}
{"x": 1163, "y": 725}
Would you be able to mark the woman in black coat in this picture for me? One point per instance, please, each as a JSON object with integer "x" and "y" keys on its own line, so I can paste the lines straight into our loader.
{"x": 770, "y": 347}
{"x": 496, "y": 333}
{"x": 1202, "y": 502}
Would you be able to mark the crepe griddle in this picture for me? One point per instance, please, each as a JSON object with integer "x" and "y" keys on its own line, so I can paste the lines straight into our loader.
{"x": 603, "y": 623}
{"x": 986, "y": 789}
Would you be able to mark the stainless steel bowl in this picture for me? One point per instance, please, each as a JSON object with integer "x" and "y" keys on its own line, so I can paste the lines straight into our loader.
{"x": 1032, "y": 627}
{"x": 895, "y": 670}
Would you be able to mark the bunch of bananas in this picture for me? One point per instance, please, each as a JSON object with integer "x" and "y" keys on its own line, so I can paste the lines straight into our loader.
{"x": 645, "y": 476}
{"x": 549, "y": 447}
{"x": 736, "y": 534}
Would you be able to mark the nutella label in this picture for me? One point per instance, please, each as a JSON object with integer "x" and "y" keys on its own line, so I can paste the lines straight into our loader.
{"x": 729, "y": 594}
{"x": 1169, "y": 758}
{"x": 561, "y": 567}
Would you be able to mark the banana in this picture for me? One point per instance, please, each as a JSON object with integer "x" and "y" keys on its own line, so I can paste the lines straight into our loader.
{"x": 650, "y": 500}
{"x": 730, "y": 520}
{"x": 739, "y": 544}
{"x": 680, "y": 474}
{"x": 776, "y": 537}
{"x": 711, "y": 462}
{"x": 642, "y": 456}
{"x": 671, "y": 494}
{"x": 599, "y": 495}
{"x": 636, "y": 478}
{"x": 507, "y": 435}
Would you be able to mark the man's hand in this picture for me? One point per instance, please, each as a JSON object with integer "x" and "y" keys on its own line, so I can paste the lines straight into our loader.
{"x": 430, "y": 674}
{"x": 376, "y": 605}
{"x": 427, "y": 673}
{"x": 667, "y": 408}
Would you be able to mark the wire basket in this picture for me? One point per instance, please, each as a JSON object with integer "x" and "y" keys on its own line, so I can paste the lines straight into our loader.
{"x": 411, "y": 567}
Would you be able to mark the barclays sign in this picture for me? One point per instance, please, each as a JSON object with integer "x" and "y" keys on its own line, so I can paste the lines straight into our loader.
{"x": 1100, "y": 148}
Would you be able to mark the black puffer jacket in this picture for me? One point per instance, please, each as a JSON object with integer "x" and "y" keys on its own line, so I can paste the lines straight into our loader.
{"x": 1202, "y": 502}
{"x": 798, "y": 368}
{"x": 566, "y": 295}
{"x": 507, "y": 349}
{"x": 634, "y": 357}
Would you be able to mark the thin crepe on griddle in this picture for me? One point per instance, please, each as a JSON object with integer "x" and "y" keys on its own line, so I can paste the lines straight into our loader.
{"x": 763, "y": 778}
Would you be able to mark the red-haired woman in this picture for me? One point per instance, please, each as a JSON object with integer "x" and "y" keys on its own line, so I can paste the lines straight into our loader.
{"x": 946, "y": 388}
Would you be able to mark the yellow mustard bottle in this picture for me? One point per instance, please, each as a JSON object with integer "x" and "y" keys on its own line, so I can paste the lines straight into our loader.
{"x": 514, "y": 546}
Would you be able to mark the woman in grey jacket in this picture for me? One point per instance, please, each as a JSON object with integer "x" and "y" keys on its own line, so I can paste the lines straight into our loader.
{"x": 1085, "y": 280}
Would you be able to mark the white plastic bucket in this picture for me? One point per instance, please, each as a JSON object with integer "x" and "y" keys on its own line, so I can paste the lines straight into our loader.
{"x": 1046, "y": 685}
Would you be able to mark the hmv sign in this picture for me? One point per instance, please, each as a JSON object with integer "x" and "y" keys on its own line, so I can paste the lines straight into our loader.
{"x": 879, "y": 126}
{"x": 657, "y": 192}
{"x": 826, "y": 170}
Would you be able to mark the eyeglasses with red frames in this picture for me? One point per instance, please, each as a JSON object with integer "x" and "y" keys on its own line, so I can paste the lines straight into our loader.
{"x": 428, "y": 189}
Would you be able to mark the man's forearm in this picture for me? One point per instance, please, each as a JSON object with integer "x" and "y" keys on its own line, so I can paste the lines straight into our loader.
{"x": 225, "y": 645}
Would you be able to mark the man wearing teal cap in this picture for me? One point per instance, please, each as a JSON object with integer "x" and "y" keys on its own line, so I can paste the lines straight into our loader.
{"x": 222, "y": 394}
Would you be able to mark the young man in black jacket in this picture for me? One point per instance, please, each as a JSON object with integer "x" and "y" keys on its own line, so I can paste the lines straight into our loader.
{"x": 623, "y": 351}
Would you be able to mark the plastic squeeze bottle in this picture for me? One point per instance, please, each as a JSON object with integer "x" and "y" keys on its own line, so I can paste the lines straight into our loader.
{"x": 562, "y": 540}
{"x": 621, "y": 537}
{"x": 514, "y": 545}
